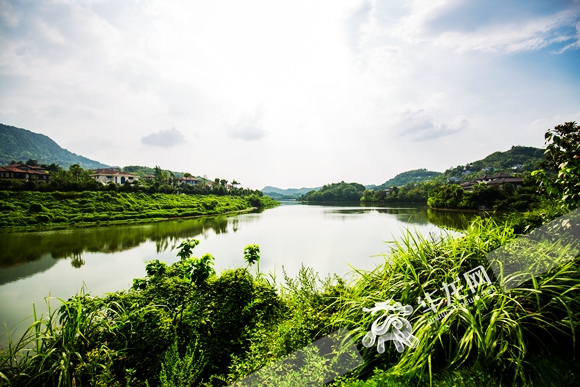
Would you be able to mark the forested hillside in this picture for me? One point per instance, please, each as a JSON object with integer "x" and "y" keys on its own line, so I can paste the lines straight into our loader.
{"x": 336, "y": 192}
{"x": 18, "y": 144}
{"x": 518, "y": 159}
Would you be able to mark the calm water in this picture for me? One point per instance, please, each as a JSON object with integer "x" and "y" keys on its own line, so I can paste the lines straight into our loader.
{"x": 105, "y": 259}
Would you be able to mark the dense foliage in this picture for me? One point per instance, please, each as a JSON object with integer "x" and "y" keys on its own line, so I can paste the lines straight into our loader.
{"x": 563, "y": 156}
{"x": 483, "y": 196}
{"x": 53, "y": 209}
{"x": 22, "y": 144}
{"x": 335, "y": 192}
{"x": 408, "y": 193}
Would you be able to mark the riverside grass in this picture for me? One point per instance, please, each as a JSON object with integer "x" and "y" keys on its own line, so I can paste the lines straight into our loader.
{"x": 31, "y": 210}
{"x": 522, "y": 337}
{"x": 499, "y": 333}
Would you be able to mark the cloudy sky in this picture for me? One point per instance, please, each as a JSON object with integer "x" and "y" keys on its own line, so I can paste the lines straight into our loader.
{"x": 293, "y": 93}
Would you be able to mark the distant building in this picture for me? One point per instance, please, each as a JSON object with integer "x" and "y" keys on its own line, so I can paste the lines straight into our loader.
{"x": 188, "y": 180}
{"x": 113, "y": 175}
{"x": 25, "y": 173}
{"x": 498, "y": 180}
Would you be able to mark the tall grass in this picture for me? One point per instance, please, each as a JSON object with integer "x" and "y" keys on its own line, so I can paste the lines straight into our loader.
{"x": 499, "y": 331}
{"x": 62, "y": 348}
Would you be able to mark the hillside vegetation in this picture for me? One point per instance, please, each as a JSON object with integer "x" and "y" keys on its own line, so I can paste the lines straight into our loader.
{"x": 518, "y": 159}
{"x": 18, "y": 144}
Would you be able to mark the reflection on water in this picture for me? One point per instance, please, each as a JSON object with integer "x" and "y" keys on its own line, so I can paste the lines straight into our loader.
{"x": 18, "y": 249}
{"x": 410, "y": 215}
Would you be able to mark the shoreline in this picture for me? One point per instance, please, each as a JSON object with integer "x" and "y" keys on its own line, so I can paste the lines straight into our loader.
{"x": 69, "y": 226}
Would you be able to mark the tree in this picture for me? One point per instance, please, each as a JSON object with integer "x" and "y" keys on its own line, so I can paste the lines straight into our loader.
{"x": 159, "y": 175}
{"x": 187, "y": 174}
{"x": 76, "y": 170}
{"x": 563, "y": 155}
{"x": 32, "y": 163}
{"x": 252, "y": 255}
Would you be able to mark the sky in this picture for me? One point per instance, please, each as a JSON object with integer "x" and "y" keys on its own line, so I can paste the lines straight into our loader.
{"x": 291, "y": 94}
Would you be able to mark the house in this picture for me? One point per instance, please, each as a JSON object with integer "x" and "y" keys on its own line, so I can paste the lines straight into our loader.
{"x": 25, "y": 173}
{"x": 497, "y": 180}
{"x": 188, "y": 180}
{"x": 113, "y": 175}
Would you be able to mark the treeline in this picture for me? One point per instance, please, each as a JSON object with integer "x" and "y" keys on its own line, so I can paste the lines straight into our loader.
{"x": 335, "y": 192}
{"x": 409, "y": 193}
{"x": 62, "y": 209}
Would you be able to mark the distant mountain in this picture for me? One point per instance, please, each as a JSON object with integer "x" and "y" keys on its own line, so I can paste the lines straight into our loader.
{"x": 20, "y": 145}
{"x": 288, "y": 191}
{"x": 414, "y": 176}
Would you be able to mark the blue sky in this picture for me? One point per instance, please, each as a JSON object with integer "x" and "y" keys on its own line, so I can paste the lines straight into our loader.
{"x": 290, "y": 93}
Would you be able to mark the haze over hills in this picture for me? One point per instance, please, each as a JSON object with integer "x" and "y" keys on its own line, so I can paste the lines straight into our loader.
{"x": 288, "y": 191}
{"x": 20, "y": 145}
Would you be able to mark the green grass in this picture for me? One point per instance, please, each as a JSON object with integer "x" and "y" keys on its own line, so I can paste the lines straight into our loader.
{"x": 48, "y": 210}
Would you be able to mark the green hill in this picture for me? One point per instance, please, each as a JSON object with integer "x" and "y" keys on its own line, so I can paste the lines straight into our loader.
{"x": 336, "y": 192}
{"x": 518, "y": 159}
{"x": 414, "y": 176}
{"x": 20, "y": 145}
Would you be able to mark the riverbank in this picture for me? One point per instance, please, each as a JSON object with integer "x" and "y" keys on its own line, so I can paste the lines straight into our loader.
{"x": 34, "y": 211}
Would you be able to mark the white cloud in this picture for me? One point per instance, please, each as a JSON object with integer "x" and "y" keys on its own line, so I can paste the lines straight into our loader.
{"x": 421, "y": 126}
{"x": 164, "y": 138}
{"x": 521, "y": 32}
{"x": 249, "y": 127}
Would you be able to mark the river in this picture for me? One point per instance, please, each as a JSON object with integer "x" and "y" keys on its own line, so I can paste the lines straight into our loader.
{"x": 329, "y": 239}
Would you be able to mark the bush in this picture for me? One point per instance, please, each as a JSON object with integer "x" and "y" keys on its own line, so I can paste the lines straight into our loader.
{"x": 36, "y": 207}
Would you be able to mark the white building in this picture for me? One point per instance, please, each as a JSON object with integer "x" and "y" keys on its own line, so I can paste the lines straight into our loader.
{"x": 107, "y": 176}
